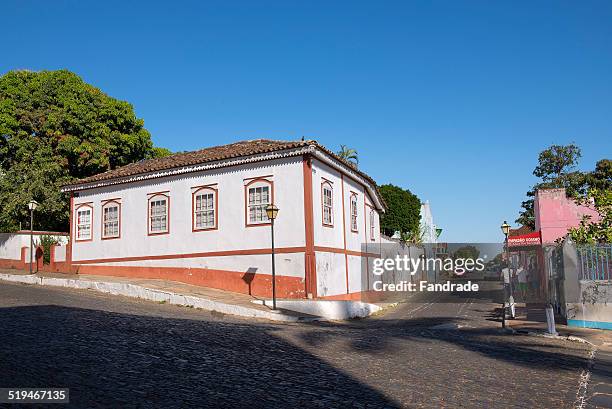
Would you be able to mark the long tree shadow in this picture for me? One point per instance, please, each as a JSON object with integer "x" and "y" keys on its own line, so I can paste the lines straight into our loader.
{"x": 110, "y": 359}
{"x": 377, "y": 337}
{"x": 498, "y": 370}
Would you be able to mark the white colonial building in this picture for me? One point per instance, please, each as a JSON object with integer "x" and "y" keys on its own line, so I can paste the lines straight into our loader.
{"x": 199, "y": 217}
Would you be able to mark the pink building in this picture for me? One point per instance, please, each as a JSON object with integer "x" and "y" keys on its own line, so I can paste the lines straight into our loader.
{"x": 555, "y": 213}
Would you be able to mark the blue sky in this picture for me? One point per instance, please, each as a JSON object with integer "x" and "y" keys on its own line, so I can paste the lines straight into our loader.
{"x": 453, "y": 100}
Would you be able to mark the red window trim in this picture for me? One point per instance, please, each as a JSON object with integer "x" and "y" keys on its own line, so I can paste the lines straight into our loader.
{"x": 152, "y": 196}
{"x": 104, "y": 204}
{"x": 353, "y": 194}
{"x": 76, "y": 225}
{"x": 163, "y": 192}
{"x": 193, "y": 200}
{"x": 246, "y": 199}
{"x": 372, "y": 226}
{"x": 328, "y": 183}
{"x": 266, "y": 177}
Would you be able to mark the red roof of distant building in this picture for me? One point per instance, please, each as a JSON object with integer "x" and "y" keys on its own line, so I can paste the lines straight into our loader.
{"x": 520, "y": 231}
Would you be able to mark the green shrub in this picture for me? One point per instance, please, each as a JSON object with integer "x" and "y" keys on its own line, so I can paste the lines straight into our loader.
{"x": 46, "y": 242}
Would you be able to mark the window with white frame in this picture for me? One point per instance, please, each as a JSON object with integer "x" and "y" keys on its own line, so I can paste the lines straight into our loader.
{"x": 354, "y": 212}
{"x": 328, "y": 204}
{"x": 84, "y": 223}
{"x": 158, "y": 214}
{"x": 259, "y": 196}
{"x": 110, "y": 220}
{"x": 204, "y": 209}
{"x": 372, "y": 225}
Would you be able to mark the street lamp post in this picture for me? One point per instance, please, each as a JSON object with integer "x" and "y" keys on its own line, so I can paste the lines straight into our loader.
{"x": 505, "y": 227}
{"x": 272, "y": 212}
{"x": 32, "y": 205}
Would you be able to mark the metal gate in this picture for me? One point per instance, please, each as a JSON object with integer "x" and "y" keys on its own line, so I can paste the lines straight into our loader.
{"x": 594, "y": 262}
{"x": 554, "y": 276}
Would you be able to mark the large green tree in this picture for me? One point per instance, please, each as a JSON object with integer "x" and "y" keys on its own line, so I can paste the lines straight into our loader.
{"x": 403, "y": 213}
{"x": 55, "y": 128}
{"x": 556, "y": 170}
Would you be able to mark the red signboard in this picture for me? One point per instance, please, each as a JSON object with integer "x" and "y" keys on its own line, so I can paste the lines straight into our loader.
{"x": 530, "y": 239}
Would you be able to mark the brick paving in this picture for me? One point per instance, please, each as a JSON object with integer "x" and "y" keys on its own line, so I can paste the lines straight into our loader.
{"x": 119, "y": 352}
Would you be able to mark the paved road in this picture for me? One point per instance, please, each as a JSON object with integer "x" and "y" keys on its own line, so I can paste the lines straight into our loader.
{"x": 599, "y": 388}
{"x": 119, "y": 352}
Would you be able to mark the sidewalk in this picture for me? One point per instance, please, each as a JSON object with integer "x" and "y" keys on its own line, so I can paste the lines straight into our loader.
{"x": 161, "y": 291}
{"x": 598, "y": 377}
{"x": 532, "y": 318}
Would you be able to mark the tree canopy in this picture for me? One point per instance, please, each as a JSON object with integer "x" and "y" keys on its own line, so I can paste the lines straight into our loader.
{"x": 591, "y": 231}
{"x": 467, "y": 252}
{"x": 556, "y": 170}
{"x": 55, "y": 128}
{"x": 601, "y": 177}
{"x": 403, "y": 213}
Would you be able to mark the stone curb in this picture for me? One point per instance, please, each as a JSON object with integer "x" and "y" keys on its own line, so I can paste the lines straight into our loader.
{"x": 552, "y": 336}
{"x": 137, "y": 291}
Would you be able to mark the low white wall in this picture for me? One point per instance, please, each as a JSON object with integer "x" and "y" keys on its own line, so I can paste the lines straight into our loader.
{"x": 595, "y": 307}
{"x": 27, "y": 255}
{"x": 60, "y": 253}
{"x": 11, "y": 243}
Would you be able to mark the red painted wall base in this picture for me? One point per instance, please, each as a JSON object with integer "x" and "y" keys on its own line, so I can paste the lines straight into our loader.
{"x": 259, "y": 285}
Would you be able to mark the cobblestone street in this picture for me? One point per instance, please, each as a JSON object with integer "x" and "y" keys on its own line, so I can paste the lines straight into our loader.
{"x": 118, "y": 352}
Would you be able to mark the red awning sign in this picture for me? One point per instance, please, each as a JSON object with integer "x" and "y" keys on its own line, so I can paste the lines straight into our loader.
{"x": 529, "y": 239}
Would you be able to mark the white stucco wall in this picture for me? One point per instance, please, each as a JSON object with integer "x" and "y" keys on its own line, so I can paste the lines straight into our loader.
{"x": 291, "y": 265}
{"x": 231, "y": 234}
{"x": 331, "y": 274}
{"x": 327, "y": 236}
{"x": 332, "y": 268}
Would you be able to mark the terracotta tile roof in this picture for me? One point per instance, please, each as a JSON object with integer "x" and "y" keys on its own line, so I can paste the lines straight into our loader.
{"x": 216, "y": 153}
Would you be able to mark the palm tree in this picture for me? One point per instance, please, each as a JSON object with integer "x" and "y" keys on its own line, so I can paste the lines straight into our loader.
{"x": 348, "y": 154}
{"x": 413, "y": 237}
